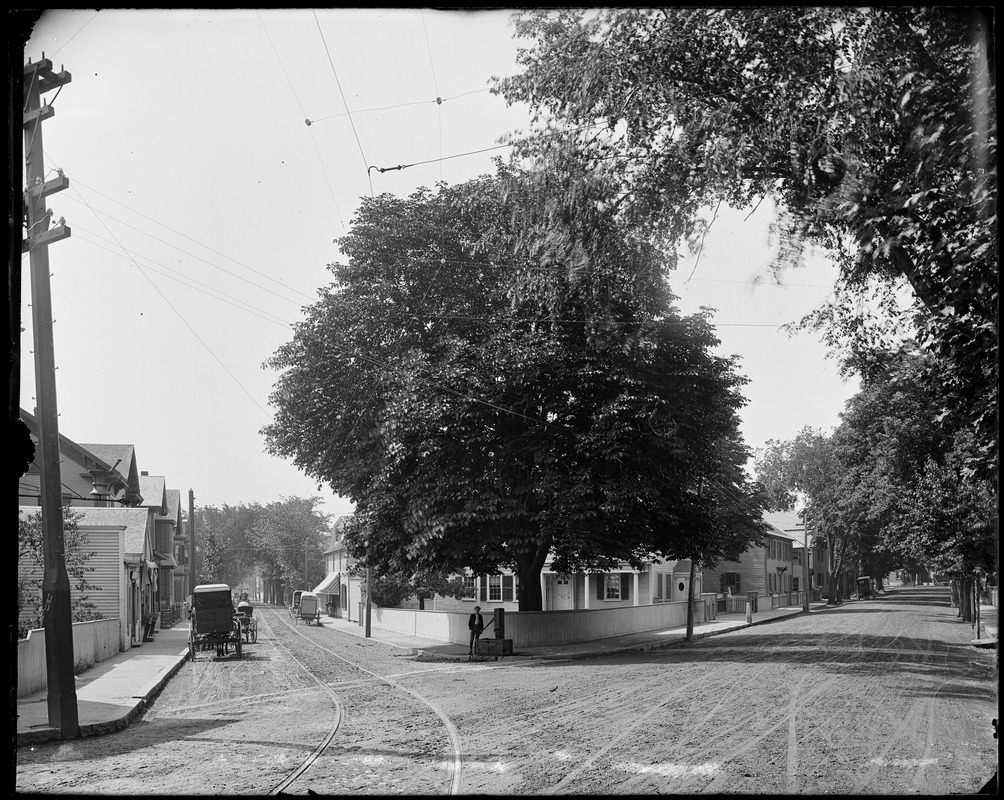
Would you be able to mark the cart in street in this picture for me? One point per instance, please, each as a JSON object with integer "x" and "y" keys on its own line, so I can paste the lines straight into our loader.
{"x": 248, "y": 621}
{"x": 214, "y": 625}
{"x": 310, "y": 608}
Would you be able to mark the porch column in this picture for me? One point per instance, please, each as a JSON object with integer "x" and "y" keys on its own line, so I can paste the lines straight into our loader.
{"x": 543, "y": 590}
{"x": 637, "y": 584}
{"x": 587, "y": 594}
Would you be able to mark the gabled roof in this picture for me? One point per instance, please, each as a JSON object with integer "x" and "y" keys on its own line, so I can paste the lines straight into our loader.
{"x": 88, "y": 458}
{"x": 788, "y": 521}
{"x": 116, "y": 461}
{"x": 335, "y": 540}
{"x": 154, "y": 491}
{"x": 124, "y": 455}
{"x": 133, "y": 521}
{"x": 788, "y": 524}
{"x": 173, "y": 505}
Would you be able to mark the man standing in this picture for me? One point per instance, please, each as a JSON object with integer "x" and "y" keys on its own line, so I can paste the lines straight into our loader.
{"x": 476, "y": 624}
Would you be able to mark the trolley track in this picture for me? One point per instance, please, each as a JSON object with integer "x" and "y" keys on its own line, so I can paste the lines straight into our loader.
{"x": 315, "y": 659}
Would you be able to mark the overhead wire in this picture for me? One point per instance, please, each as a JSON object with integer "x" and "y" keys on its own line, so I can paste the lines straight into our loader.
{"x": 438, "y": 101}
{"x": 89, "y": 21}
{"x": 440, "y": 160}
{"x": 185, "y": 280}
{"x": 439, "y": 111}
{"x": 180, "y": 316}
{"x": 344, "y": 101}
{"x": 241, "y": 264}
{"x": 193, "y": 255}
{"x": 313, "y": 138}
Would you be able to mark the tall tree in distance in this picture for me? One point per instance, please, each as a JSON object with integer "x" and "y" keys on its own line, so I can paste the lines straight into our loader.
{"x": 805, "y": 469}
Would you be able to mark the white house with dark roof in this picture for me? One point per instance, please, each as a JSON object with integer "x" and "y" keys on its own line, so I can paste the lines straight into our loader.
{"x": 104, "y": 484}
{"x": 91, "y": 474}
{"x": 121, "y": 540}
{"x": 340, "y": 592}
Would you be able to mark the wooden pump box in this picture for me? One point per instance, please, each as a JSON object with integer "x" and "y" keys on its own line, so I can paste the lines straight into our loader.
{"x": 495, "y": 647}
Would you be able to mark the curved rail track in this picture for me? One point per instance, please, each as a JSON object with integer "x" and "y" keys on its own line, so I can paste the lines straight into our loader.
{"x": 313, "y": 647}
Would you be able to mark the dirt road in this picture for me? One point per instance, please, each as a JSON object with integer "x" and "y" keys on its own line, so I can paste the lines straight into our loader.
{"x": 875, "y": 697}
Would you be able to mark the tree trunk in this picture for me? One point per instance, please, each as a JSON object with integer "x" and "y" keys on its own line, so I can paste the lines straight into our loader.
{"x": 528, "y": 568}
{"x": 954, "y": 584}
{"x": 831, "y": 589}
{"x": 967, "y": 599}
{"x": 690, "y": 600}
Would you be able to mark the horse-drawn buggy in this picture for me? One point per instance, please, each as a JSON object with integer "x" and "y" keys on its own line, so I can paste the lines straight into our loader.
{"x": 247, "y": 620}
{"x": 294, "y": 604}
{"x": 309, "y": 609}
{"x": 214, "y": 625}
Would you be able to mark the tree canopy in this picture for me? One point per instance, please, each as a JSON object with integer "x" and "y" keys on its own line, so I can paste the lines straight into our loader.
{"x": 872, "y": 130}
{"x": 282, "y": 541}
{"x": 890, "y": 488}
{"x": 489, "y": 393}
{"x": 31, "y": 569}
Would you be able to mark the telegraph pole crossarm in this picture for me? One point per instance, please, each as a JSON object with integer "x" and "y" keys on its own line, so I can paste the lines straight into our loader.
{"x": 62, "y": 695}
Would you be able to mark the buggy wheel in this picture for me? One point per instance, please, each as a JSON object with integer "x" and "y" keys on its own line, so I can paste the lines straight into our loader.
{"x": 254, "y": 632}
{"x": 238, "y": 647}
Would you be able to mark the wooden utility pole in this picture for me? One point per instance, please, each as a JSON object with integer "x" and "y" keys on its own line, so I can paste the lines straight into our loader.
{"x": 693, "y": 575}
{"x": 62, "y": 694}
{"x": 193, "y": 561}
{"x": 805, "y": 560}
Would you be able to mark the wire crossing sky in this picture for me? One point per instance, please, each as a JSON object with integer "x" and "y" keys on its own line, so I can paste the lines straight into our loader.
{"x": 215, "y": 157}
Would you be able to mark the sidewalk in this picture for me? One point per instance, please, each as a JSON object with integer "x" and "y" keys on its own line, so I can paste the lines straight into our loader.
{"x": 987, "y": 635}
{"x": 114, "y": 692}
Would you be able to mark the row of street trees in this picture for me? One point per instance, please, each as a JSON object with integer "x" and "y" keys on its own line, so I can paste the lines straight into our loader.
{"x": 892, "y": 486}
{"x": 283, "y": 542}
{"x": 498, "y": 372}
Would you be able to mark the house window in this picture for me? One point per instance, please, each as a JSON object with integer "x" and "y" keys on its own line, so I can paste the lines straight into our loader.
{"x": 469, "y": 588}
{"x": 494, "y": 588}
{"x": 731, "y": 582}
{"x": 612, "y": 586}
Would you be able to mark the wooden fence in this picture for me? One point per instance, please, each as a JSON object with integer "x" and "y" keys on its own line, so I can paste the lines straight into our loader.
{"x": 93, "y": 641}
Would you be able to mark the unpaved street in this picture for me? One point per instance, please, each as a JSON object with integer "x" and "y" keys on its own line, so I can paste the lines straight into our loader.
{"x": 876, "y": 697}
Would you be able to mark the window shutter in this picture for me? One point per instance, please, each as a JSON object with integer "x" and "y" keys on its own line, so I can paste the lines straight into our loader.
{"x": 484, "y": 588}
{"x": 507, "y": 584}
{"x": 601, "y": 585}
{"x": 625, "y": 586}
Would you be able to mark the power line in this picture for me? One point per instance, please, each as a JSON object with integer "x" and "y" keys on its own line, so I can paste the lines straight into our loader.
{"x": 344, "y": 102}
{"x": 189, "y": 282}
{"x": 313, "y": 138}
{"x": 437, "y": 101}
{"x": 185, "y": 236}
{"x": 484, "y": 149}
{"x": 179, "y": 314}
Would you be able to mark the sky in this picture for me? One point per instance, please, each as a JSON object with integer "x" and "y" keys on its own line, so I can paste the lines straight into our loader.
{"x": 204, "y": 210}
